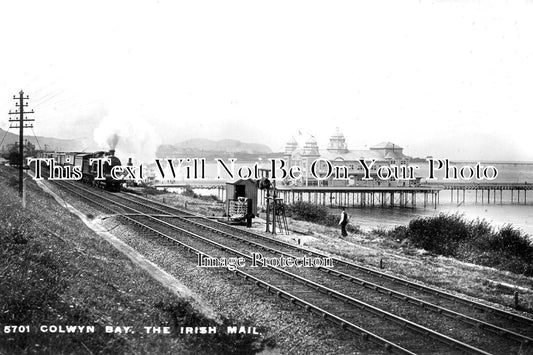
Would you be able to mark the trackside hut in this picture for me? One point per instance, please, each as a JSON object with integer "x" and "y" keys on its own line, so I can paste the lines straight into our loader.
{"x": 241, "y": 188}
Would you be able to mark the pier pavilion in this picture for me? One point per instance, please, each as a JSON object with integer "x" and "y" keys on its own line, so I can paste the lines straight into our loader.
{"x": 338, "y": 154}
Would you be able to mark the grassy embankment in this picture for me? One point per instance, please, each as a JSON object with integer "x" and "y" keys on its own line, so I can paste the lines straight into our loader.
{"x": 310, "y": 212}
{"x": 55, "y": 271}
{"x": 447, "y": 235}
{"x": 187, "y": 199}
{"x": 467, "y": 245}
{"x": 476, "y": 242}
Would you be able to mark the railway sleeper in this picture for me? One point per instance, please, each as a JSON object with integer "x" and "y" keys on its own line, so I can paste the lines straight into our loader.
{"x": 408, "y": 285}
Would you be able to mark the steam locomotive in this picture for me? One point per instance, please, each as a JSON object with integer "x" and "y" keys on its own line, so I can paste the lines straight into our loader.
{"x": 89, "y": 171}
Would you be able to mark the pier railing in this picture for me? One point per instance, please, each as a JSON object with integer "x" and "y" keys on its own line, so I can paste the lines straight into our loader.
{"x": 362, "y": 196}
{"x": 514, "y": 192}
{"x": 482, "y": 185}
{"x": 426, "y": 194}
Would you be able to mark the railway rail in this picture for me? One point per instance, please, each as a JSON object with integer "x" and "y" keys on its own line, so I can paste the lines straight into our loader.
{"x": 333, "y": 300}
{"x": 439, "y": 296}
{"x": 523, "y": 339}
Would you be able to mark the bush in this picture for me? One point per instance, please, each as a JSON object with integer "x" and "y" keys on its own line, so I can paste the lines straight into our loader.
{"x": 400, "y": 233}
{"x": 471, "y": 241}
{"x": 189, "y": 192}
{"x": 441, "y": 234}
{"x": 306, "y": 211}
{"x": 149, "y": 190}
{"x": 511, "y": 241}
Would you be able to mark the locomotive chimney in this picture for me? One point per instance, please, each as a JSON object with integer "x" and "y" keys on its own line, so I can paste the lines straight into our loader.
{"x": 111, "y": 152}
{"x": 130, "y": 163}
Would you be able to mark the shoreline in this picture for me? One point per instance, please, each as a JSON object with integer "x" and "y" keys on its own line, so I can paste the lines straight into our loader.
{"x": 369, "y": 218}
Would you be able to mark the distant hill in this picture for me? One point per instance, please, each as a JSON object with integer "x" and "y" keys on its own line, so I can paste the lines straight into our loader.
{"x": 198, "y": 147}
{"x": 51, "y": 143}
{"x": 224, "y": 145}
{"x": 205, "y": 147}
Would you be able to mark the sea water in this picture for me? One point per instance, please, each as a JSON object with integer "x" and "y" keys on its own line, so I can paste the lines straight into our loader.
{"x": 498, "y": 212}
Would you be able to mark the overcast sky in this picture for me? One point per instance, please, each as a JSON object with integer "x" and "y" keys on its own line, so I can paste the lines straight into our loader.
{"x": 443, "y": 78}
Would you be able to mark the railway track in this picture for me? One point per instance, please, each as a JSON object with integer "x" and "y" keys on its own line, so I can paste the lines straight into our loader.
{"x": 343, "y": 294}
{"x": 515, "y": 328}
{"x": 344, "y": 268}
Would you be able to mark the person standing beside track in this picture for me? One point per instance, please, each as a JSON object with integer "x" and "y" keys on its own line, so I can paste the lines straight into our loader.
{"x": 343, "y": 222}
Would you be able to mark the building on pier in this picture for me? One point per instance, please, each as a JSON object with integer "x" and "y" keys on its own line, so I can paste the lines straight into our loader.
{"x": 338, "y": 154}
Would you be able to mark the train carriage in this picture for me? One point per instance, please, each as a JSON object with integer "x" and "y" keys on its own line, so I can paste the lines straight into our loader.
{"x": 55, "y": 157}
{"x": 61, "y": 158}
{"x": 69, "y": 158}
{"x": 82, "y": 160}
{"x": 88, "y": 170}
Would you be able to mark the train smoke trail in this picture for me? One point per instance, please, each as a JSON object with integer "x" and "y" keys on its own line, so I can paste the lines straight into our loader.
{"x": 131, "y": 135}
{"x": 112, "y": 140}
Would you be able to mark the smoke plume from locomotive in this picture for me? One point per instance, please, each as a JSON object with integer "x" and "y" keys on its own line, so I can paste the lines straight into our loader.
{"x": 113, "y": 141}
{"x": 129, "y": 133}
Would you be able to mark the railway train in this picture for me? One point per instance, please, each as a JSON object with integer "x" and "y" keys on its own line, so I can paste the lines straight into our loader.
{"x": 89, "y": 171}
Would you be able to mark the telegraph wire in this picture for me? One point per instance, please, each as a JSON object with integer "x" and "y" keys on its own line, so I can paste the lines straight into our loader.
{"x": 36, "y": 139}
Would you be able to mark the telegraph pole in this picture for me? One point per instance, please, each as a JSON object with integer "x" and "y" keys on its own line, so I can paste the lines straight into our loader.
{"x": 21, "y": 125}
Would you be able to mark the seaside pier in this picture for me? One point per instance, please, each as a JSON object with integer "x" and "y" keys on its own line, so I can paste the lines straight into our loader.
{"x": 489, "y": 193}
{"x": 427, "y": 195}
{"x": 363, "y": 196}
